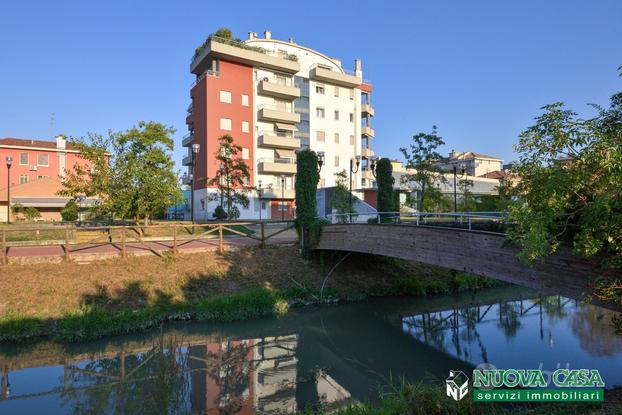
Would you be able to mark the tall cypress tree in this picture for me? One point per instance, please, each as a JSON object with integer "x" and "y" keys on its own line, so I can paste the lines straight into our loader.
{"x": 307, "y": 178}
{"x": 385, "y": 180}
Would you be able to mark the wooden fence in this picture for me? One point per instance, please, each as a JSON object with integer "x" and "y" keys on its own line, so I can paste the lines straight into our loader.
{"x": 167, "y": 238}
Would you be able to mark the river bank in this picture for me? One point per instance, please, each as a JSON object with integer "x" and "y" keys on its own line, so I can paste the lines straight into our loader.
{"x": 72, "y": 302}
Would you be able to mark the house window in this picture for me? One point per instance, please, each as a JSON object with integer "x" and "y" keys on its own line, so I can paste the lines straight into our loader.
{"x": 336, "y": 91}
{"x": 319, "y": 112}
{"x": 336, "y": 138}
{"x": 351, "y": 140}
{"x": 336, "y": 161}
{"x": 282, "y": 206}
{"x": 225, "y": 96}
{"x": 23, "y": 178}
{"x": 41, "y": 177}
{"x": 351, "y": 117}
{"x": 336, "y": 115}
{"x": 23, "y": 159}
{"x": 43, "y": 160}
{"x": 245, "y": 154}
{"x": 319, "y": 89}
{"x": 320, "y": 136}
{"x": 225, "y": 124}
{"x": 245, "y": 127}
{"x": 245, "y": 100}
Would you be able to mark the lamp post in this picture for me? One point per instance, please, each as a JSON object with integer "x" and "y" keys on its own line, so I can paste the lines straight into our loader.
{"x": 354, "y": 168}
{"x": 195, "y": 150}
{"x": 9, "y": 162}
{"x": 320, "y": 160}
{"x": 282, "y": 178}
{"x": 456, "y": 175}
{"x": 259, "y": 194}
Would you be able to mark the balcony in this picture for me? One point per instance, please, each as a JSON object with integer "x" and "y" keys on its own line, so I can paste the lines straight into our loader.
{"x": 367, "y": 110}
{"x": 278, "y": 193}
{"x": 367, "y": 152}
{"x": 277, "y": 166}
{"x": 187, "y": 160}
{"x": 186, "y": 179}
{"x": 274, "y": 114}
{"x": 367, "y": 131}
{"x": 240, "y": 52}
{"x": 187, "y": 139}
{"x": 320, "y": 73}
{"x": 367, "y": 174}
{"x": 272, "y": 140}
{"x": 274, "y": 88}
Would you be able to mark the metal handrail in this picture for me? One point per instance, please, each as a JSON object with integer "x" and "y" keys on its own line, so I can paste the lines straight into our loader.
{"x": 345, "y": 71}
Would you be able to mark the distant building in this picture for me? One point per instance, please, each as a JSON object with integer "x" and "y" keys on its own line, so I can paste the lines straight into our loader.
{"x": 475, "y": 164}
{"x": 181, "y": 211}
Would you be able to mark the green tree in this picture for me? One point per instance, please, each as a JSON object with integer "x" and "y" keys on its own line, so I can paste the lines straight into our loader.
{"x": 467, "y": 200}
{"x": 422, "y": 158}
{"x": 231, "y": 178}
{"x": 31, "y": 213}
{"x": 307, "y": 178}
{"x": 385, "y": 180}
{"x": 341, "y": 200}
{"x": 131, "y": 172}
{"x": 71, "y": 211}
{"x": 224, "y": 32}
{"x": 569, "y": 190}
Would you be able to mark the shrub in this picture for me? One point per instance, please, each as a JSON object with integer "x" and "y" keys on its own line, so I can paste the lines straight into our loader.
{"x": 71, "y": 211}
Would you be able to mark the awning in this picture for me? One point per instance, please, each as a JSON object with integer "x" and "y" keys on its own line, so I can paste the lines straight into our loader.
{"x": 289, "y": 154}
{"x": 287, "y": 127}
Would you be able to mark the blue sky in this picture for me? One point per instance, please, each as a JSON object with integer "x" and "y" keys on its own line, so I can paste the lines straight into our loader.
{"x": 479, "y": 70}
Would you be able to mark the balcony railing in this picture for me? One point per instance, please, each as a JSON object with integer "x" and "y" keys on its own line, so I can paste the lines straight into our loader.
{"x": 269, "y": 112}
{"x": 187, "y": 139}
{"x": 209, "y": 72}
{"x": 187, "y": 161}
{"x": 241, "y": 45}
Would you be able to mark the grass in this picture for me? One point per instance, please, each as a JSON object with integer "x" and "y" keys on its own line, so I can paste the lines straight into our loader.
{"x": 73, "y": 302}
{"x": 425, "y": 398}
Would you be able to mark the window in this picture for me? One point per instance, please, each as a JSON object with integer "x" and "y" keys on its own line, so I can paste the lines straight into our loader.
{"x": 225, "y": 96}
{"x": 245, "y": 100}
{"x": 43, "y": 160}
{"x": 319, "y": 112}
{"x": 225, "y": 124}
{"x": 336, "y": 91}
{"x": 336, "y": 161}
{"x": 23, "y": 178}
{"x": 351, "y": 140}
{"x": 23, "y": 158}
{"x": 351, "y": 93}
{"x": 320, "y": 136}
{"x": 336, "y": 115}
{"x": 282, "y": 206}
{"x": 245, "y": 154}
{"x": 351, "y": 117}
{"x": 336, "y": 138}
{"x": 245, "y": 127}
{"x": 41, "y": 177}
{"x": 319, "y": 89}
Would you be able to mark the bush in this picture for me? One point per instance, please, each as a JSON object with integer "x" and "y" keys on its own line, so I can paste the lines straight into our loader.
{"x": 71, "y": 211}
{"x": 220, "y": 213}
{"x": 31, "y": 213}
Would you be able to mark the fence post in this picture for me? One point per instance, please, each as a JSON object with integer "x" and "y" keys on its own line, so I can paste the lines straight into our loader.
{"x": 4, "y": 252}
{"x": 220, "y": 241}
{"x": 174, "y": 238}
{"x": 263, "y": 241}
{"x": 123, "y": 243}
{"x": 66, "y": 244}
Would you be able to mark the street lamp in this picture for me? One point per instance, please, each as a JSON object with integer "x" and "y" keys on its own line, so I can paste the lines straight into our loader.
{"x": 372, "y": 165}
{"x": 259, "y": 194}
{"x": 320, "y": 160}
{"x": 195, "y": 150}
{"x": 456, "y": 175}
{"x": 354, "y": 168}
{"x": 9, "y": 162}
{"x": 282, "y": 178}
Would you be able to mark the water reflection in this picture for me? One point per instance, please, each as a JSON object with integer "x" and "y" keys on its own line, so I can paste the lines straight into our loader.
{"x": 319, "y": 356}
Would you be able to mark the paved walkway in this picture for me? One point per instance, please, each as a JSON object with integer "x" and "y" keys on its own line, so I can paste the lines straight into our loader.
{"x": 90, "y": 252}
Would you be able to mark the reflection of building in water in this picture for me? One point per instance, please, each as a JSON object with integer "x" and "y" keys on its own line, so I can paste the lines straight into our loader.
{"x": 275, "y": 374}
{"x": 329, "y": 390}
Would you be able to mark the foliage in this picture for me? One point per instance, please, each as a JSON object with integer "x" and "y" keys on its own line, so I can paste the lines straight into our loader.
{"x": 31, "y": 213}
{"x": 422, "y": 156}
{"x": 569, "y": 190}
{"x": 17, "y": 208}
{"x": 220, "y": 213}
{"x": 231, "y": 178}
{"x": 467, "y": 201}
{"x": 224, "y": 32}
{"x": 385, "y": 180}
{"x": 71, "y": 211}
{"x": 342, "y": 201}
{"x": 131, "y": 172}
{"x": 307, "y": 178}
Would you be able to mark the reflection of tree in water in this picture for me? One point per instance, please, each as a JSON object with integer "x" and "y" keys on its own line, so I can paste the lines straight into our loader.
{"x": 509, "y": 318}
{"x": 230, "y": 369}
{"x": 555, "y": 307}
{"x": 591, "y": 326}
{"x": 152, "y": 382}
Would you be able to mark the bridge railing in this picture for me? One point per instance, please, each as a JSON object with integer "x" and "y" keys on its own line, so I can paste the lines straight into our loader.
{"x": 494, "y": 221}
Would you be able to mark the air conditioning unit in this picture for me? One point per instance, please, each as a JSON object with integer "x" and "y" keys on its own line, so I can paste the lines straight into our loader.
{"x": 33, "y": 168}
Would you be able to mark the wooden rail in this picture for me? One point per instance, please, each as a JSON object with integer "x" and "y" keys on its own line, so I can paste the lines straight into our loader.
{"x": 169, "y": 238}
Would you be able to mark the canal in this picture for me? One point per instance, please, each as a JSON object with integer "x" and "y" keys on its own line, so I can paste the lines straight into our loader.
{"x": 316, "y": 355}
